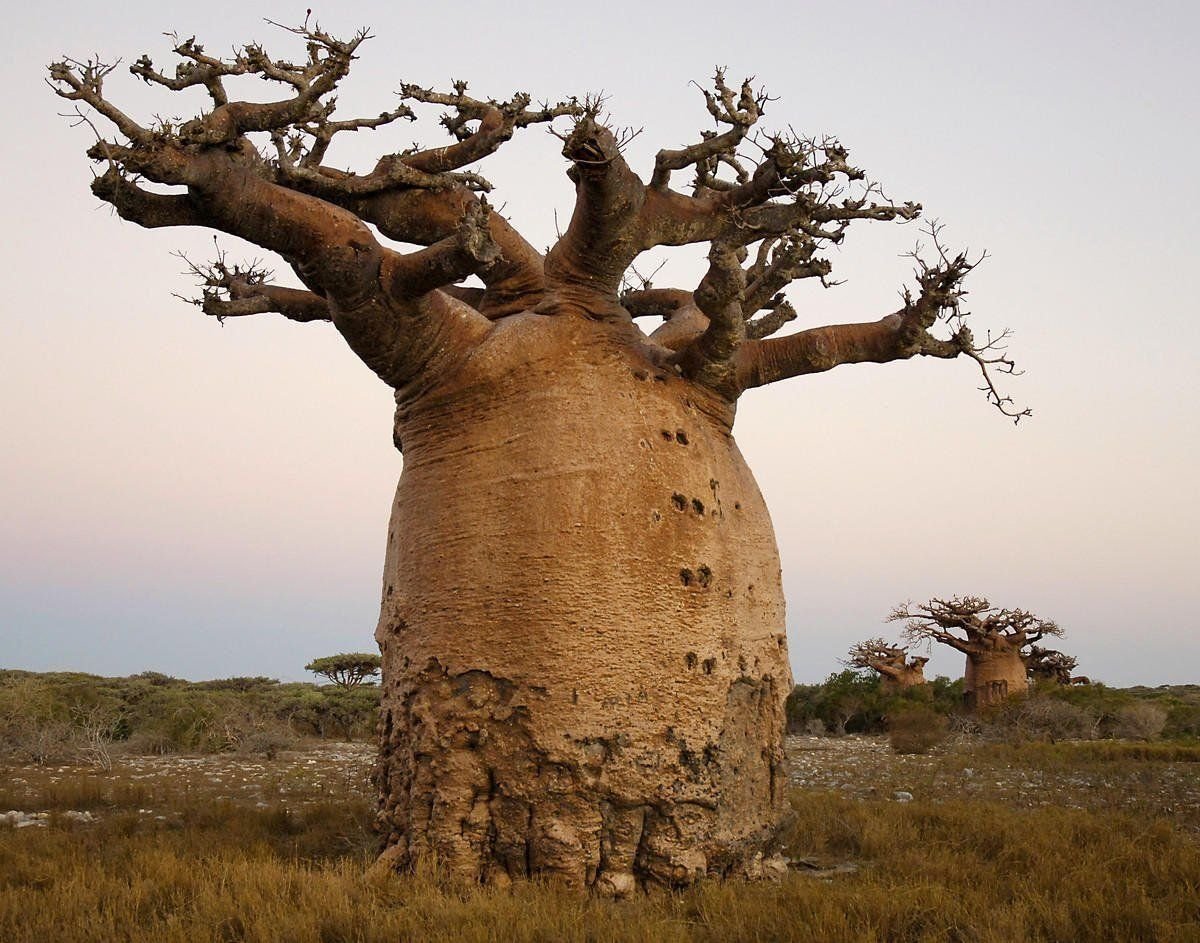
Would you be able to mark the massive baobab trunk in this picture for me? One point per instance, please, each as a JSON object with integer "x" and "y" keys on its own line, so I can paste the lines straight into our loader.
{"x": 991, "y": 676}
{"x": 582, "y": 626}
{"x": 992, "y": 639}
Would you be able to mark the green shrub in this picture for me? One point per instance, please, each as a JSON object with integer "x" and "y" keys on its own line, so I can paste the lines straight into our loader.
{"x": 72, "y": 717}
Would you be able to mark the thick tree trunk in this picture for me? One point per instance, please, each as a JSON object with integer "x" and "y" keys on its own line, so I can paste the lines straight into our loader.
{"x": 582, "y": 624}
{"x": 904, "y": 679}
{"x": 991, "y": 676}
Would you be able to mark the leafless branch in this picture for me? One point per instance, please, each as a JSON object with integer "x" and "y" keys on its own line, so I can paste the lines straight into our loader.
{"x": 229, "y": 291}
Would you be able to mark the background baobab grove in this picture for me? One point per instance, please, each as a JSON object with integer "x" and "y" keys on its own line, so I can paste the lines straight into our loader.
{"x": 211, "y": 501}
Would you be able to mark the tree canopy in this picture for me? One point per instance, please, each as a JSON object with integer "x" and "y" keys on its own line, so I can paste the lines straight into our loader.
{"x": 769, "y": 204}
{"x": 347, "y": 669}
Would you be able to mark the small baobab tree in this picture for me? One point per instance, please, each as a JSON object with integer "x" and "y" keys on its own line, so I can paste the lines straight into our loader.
{"x": 582, "y": 618}
{"x": 992, "y": 639}
{"x": 896, "y": 670}
{"x": 1046, "y": 664}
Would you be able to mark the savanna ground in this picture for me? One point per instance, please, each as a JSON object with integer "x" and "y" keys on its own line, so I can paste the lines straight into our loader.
{"x": 1094, "y": 840}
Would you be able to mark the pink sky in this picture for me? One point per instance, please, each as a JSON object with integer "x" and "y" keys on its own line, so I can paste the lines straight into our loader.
{"x": 212, "y": 501}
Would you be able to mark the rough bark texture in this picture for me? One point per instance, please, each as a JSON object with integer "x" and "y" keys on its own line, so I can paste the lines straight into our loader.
{"x": 911, "y": 676}
{"x": 992, "y": 676}
{"x": 582, "y": 627}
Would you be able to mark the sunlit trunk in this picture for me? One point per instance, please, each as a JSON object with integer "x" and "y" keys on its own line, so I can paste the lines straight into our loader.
{"x": 992, "y": 676}
{"x": 582, "y": 624}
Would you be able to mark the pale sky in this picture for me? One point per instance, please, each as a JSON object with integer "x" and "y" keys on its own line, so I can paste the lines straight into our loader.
{"x": 211, "y": 501}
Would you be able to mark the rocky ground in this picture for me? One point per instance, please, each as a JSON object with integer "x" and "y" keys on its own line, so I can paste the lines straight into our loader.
{"x": 862, "y": 768}
{"x": 867, "y": 768}
{"x": 154, "y": 786}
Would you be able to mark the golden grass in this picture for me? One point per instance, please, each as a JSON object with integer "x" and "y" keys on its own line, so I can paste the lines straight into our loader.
{"x": 1089, "y": 752}
{"x": 202, "y": 866}
{"x": 972, "y": 871}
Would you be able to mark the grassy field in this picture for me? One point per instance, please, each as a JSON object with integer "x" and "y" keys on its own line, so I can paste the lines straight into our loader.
{"x": 1031, "y": 844}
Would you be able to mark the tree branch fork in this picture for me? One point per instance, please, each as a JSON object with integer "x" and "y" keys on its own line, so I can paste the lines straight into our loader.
{"x": 768, "y": 206}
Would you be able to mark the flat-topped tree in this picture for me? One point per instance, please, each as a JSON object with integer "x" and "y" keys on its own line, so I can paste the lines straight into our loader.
{"x": 897, "y": 672}
{"x": 348, "y": 669}
{"x": 991, "y": 638}
{"x": 582, "y": 626}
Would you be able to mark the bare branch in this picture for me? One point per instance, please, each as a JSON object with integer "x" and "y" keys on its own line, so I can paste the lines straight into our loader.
{"x": 230, "y": 291}
{"x": 464, "y": 253}
{"x": 779, "y": 312}
{"x": 84, "y": 81}
{"x": 710, "y": 360}
{"x": 496, "y": 123}
{"x": 591, "y": 257}
{"x": 197, "y": 69}
{"x": 740, "y": 112}
{"x": 683, "y": 322}
{"x": 322, "y": 132}
{"x": 391, "y": 172}
{"x": 971, "y": 624}
{"x": 142, "y": 206}
{"x": 941, "y": 294}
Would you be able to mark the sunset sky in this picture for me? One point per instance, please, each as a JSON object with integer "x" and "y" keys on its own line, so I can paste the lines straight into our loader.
{"x": 211, "y": 501}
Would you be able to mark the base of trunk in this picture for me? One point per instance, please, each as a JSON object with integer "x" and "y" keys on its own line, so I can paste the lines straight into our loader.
{"x": 469, "y": 787}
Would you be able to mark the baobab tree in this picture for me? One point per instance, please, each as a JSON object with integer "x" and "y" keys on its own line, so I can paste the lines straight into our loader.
{"x": 992, "y": 639}
{"x": 1046, "y": 664}
{"x": 582, "y": 623}
{"x": 896, "y": 670}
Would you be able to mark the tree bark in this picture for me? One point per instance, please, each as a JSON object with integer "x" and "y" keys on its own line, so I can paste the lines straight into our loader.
{"x": 582, "y": 622}
{"x": 992, "y": 676}
{"x": 902, "y": 678}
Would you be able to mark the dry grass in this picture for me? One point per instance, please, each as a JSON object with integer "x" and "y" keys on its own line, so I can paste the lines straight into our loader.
{"x": 220, "y": 866}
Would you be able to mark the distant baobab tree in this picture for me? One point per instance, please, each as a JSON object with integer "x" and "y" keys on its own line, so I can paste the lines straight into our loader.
{"x": 1046, "y": 664}
{"x": 992, "y": 639}
{"x": 896, "y": 670}
{"x": 582, "y": 621}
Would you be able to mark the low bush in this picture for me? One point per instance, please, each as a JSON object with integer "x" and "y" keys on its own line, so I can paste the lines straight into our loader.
{"x": 1141, "y": 721}
{"x": 1038, "y": 716}
{"x": 915, "y": 729}
{"x": 854, "y": 702}
{"x": 70, "y": 717}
